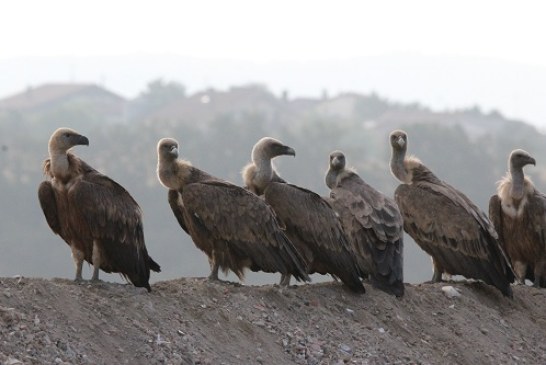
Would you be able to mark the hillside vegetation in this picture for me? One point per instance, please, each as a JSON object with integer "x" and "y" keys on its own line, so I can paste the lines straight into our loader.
{"x": 193, "y": 321}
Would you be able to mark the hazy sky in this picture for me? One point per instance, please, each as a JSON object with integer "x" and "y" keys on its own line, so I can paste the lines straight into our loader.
{"x": 293, "y": 32}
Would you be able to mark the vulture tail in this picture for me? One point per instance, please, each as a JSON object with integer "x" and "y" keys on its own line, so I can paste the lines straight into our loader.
{"x": 352, "y": 280}
{"x": 154, "y": 266}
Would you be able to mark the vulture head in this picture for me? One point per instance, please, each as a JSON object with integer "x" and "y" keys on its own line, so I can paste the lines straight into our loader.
{"x": 399, "y": 140}
{"x": 336, "y": 168}
{"x": 268, "y": 148}
{"x": 337, "y": 161}
{"x": 64, "y": 139}
{"x": 167, "y": 149}
{"x": 519, "y": 158}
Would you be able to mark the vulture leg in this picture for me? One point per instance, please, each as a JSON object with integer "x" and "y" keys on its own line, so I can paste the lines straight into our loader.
{"x": 96, "y": 261}
{"x": 78, "y": 257}
{"x": 520, "y": 269}
{"x": 540, "y": 274}
{"x": 438, "y": 270}
{"x": 214, "y": 270}
{"x": 285, "y": 280}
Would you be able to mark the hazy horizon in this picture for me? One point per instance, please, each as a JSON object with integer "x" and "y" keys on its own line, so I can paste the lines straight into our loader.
{"x": 441, "y": 55}
{"x": 436, "y": 82}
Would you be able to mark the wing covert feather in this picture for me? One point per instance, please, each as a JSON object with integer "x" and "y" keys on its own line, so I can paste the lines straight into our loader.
{"x": 107, "y": 209}
{"x": 46, "y": 196}
{"x": 245, "y": 222}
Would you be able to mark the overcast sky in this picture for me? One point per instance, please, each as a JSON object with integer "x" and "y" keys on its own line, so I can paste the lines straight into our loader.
{"x": 473, "y": 35}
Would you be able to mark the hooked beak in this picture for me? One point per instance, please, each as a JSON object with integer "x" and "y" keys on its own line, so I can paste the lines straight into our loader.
{"x": 290, "y": 151}
{"x": 532, "y": 161}
{"x": 174, "y": 151}
{"x": 83, "y": 140}
{"x": 401, "y": 142}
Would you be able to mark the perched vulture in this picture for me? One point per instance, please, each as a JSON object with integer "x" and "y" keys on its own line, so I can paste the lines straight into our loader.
{"x": 96, "y": 216}
{"x": 373, "y": 224}
{"x": 232, "y": 226}
{"x": 311, "y": 223}
{"x": 518, "y": 212}
{"x": 446, "y": 224}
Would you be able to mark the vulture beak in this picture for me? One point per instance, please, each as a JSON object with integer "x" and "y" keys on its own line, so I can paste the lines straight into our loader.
{"x": 82, "y": 140}
{"x": 401, "y": 142}
{"x": 289, "y": 151}
{"x": 174, "y": 151}
{"x": 532, "y": 161}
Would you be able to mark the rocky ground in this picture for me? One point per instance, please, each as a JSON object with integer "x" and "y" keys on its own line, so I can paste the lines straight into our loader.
{"x": 193, "y": 321}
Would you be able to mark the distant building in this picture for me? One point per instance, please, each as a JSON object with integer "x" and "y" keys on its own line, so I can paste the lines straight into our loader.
{"x": 91, "y": 99}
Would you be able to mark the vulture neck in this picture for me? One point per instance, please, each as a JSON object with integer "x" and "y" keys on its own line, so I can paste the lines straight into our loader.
{"x": 517, "y": 182}
{"x": 264, "y": 170}
{"x": 59, "y": 164}
{"x": 173, "y": 173}
{"x": 331, "y": 178}
{"x": 398, "y": 167}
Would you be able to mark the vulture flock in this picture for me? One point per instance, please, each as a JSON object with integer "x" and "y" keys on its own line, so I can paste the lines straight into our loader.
{"x": 355, "y": 234}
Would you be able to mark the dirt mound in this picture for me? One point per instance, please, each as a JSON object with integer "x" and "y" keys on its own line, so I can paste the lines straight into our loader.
{"x": 193, "y": 321}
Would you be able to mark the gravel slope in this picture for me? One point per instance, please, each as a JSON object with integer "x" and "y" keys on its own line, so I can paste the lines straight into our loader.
{"x": 193, "y": 321}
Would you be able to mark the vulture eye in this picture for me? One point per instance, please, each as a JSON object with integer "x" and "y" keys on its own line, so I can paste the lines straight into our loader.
{"x": 67, "y": 135}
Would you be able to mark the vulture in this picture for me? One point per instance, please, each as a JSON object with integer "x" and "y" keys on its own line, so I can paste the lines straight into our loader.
{"x": 446, "y": 224}
{"x": 311, "y": 222}
{"x": 518, "y": 211}
{"x": 373, "y": 224}
{"x": 232, "y": 226}
{"x": 96, "y": 216}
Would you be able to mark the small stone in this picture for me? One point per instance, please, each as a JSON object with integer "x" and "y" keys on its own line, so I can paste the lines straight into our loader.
{"x": 381, "y": 330}
{"x": 450, "y": 291}
{"x": 345, "y": 349}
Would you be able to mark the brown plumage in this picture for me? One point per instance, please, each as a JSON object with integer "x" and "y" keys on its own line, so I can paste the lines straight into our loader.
{"x": 518, "y": 211}
{"x": 232, "y": 226}
{"x": 446, "y": 224}
{"x": 311, "y": 223}
{"x": 96, "y": 216}
{"x": 372, "y": 223}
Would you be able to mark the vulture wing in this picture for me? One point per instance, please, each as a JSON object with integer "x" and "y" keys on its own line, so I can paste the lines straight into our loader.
{"x": 375, "y": 229}
{"x": 105, "y": 209}
{"x": 46, "y": 196}
{"x": 450, "y": 228}
{"x": 242, "y": 224}
{"x": 316, "y": 229}
{"x": 177, "y": 206}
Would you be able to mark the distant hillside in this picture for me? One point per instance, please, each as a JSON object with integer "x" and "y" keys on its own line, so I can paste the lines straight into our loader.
{"x": 193, "y": 321}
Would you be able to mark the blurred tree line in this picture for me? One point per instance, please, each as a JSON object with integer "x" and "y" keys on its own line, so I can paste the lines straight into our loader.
{"x": 467, "y": 148}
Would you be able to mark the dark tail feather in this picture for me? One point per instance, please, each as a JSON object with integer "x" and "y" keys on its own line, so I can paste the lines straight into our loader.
{"x": 389, "y": 275}
{"x": 154, "y": 266}
{"x": 353, "y": 282}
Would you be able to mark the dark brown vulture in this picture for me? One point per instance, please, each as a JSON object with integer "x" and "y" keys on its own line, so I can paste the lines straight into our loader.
{"x": 311, "y": 223}
{"x": 373, "y": 224}
{"x": 96, "y": 216}
{"x": 232, "y": 226}
{"x": 518, "y": 211}
{"x": 446, "y": 224}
